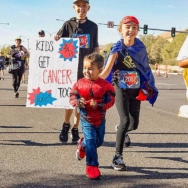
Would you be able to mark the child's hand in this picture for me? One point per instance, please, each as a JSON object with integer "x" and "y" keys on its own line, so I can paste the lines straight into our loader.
{"x": 93, "y": 103}
{"x": 81, "y": 103}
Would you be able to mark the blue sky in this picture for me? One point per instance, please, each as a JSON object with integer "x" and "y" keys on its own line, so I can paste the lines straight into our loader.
{"x": 27, "y": 17}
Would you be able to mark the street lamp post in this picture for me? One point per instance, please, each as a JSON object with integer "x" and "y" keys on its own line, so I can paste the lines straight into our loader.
{"x": 5, "y": 23}
{"x": 27, "y": 41}
{"x": 60, "y": 20}
{"x": 50, "y": 33}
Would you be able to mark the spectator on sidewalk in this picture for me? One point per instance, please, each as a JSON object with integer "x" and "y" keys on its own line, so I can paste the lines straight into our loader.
{"x": 183, "y": 62}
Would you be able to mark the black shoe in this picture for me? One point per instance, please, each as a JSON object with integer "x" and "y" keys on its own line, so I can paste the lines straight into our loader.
{"x": 118, "y": 164}
{"x": 74, "y": 135}
{"x": 63, "y": 137}
{"x": 116, "y": 127}
{"x": 16, "y": 94}
{"x": 127, "y": 141}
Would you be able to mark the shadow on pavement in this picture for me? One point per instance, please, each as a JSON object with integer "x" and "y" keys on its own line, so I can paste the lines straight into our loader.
{"x": 12, "y": 105}
{"x": 106, "y": 181}
{"x": 17, "y": 127}
{"x": 160, "y": 145}
{"x": 31, "y": 143}
{"x": 178, "y": 159}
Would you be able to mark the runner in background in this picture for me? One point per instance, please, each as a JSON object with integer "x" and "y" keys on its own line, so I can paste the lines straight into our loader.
{"x": 17, "y": 53}
{"x": 2, "y": 65}
{"x": 87, "y": 31}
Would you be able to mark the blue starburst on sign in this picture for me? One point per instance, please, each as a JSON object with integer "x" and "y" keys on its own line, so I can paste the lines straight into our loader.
{"x": 44, "y": 98}
{"x": 68, "y": 49}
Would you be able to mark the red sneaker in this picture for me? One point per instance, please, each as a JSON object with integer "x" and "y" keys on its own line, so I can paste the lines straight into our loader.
{"x": 93, "y": 172}
{"x": 80, "y": 152}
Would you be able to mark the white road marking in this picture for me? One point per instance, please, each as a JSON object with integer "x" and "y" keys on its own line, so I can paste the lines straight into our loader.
{"x": 161, "y": 110}
{"x": 170, "y": 84}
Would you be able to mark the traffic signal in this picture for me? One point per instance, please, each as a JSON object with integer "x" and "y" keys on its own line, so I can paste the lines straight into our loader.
{"x": 173, "y": 32}
{"x": 145, "y": 30}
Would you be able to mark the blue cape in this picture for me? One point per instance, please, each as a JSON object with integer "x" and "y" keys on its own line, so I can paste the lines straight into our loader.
{"x": 139, "y": 55}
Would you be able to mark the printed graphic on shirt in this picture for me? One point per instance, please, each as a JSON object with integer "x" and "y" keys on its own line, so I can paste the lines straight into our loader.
{"x": 39, "y": 98}
{"x": 19, "y": 54}
{"x": 84, "y": 40}
{"x": 68, "y": 49}
{"x": 128, "y": 62}
{"x": 2, "y": 59}
{"x": 129, "y": 80}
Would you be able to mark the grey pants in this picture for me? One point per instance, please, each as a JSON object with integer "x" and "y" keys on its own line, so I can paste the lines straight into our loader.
{"x": 128, "y": 108}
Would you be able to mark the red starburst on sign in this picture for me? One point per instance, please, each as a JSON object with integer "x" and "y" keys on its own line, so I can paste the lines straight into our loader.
{"x": 32, "y": 95}
{"x": 68, "y": 50}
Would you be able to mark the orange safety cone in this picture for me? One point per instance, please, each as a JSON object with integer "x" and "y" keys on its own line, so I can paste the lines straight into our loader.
{"x": 158, "y": 72}
{"x": 166, "y": 72}
{"x": 179, "y": 71}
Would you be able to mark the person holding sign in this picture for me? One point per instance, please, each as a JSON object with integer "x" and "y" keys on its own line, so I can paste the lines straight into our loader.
{"x": 92, "y": 96}
{"x": 17, "y": 54}
{"x": 133, "y": 81}
{"x": 87, "y": 31}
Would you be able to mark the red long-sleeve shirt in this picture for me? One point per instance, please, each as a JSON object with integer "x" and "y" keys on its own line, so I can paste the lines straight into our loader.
{"x": 99, "y": 90}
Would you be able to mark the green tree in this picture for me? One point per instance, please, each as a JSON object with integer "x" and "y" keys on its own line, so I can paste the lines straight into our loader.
{"x": 148, "y": 41}
{"x": 155, "y": 52}
{"x": 5, "y": 49}
{"x": 107, "y": 49}
{"x": 170, "y": 51}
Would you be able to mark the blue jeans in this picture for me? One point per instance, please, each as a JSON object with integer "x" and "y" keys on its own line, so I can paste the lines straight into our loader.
{"x": 93, "y": 138}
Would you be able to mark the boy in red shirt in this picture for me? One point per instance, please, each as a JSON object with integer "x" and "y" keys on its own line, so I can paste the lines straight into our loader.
{"x": 92, "y": 96}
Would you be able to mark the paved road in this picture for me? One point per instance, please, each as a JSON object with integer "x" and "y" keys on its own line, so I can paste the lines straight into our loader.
{"x": 31, "y": 155}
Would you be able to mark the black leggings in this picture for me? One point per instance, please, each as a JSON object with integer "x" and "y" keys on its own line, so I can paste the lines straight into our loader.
{"x": 128, "y": 108}
{"x": 16, "y": 78}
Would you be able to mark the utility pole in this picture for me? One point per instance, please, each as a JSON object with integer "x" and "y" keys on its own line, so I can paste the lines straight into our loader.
{"x": 167, "y": 30}
{"x": 27, "y": 41}
{"x": 50, "y": 33}
{"x": 5, "y": 23}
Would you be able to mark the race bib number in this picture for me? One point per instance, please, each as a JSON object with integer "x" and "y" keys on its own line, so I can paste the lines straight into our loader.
{"x": 84, "y": 40}
{"x": 129, "y": 80}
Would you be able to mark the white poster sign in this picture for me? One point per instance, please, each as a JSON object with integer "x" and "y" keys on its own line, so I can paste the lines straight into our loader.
{"x": 52, "y": 72}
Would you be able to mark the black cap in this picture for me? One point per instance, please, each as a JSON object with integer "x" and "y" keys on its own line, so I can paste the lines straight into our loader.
{"x": 41, "y": 32}
{"x": 87, "y": 1}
